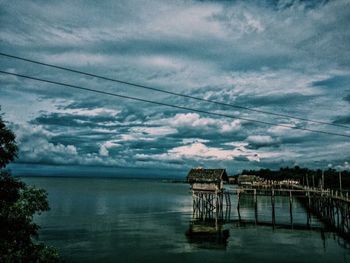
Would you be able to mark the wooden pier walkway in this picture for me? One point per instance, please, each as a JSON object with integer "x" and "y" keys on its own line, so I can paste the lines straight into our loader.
{"x": 331, "y": 207}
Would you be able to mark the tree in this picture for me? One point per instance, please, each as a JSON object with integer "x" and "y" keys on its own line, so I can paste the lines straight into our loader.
{"x": 18, "y": 204}
{"x": 8, "y": 147}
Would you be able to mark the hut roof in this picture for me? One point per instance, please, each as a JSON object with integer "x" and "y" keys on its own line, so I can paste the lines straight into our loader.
{"x": 200, "y": 175}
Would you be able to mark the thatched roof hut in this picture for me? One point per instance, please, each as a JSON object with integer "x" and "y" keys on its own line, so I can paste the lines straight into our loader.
{"x": 207, "y": 179}
{"x": 201, "y": 175}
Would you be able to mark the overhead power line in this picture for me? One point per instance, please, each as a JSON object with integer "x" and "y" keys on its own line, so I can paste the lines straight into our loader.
{"x": 169, "y": 105}
{"x": 171, "y": 92}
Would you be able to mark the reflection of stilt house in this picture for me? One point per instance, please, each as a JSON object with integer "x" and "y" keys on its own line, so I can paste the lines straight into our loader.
{"x": 207, "y": 187}
{"x": 207, "y": 234}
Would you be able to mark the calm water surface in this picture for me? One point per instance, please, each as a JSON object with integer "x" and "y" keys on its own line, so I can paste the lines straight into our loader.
{"x": 118, "y": 220}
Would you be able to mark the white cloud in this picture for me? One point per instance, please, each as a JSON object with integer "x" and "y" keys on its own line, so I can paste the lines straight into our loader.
{"x": 146, "y": 133}
{"x": 154, "y": 131}
{"x": 135, "y": 137}
{"x": 260, "y": 140}
{"x": 91, "y": 112}
{"x": 200, "y": 151}
{"x": 104, "y": 148}
{"x": 231, "y": 126}
{"x": 344, "y": 166}
{"x": 237, "y": 144}
{"x": 195, "y": 121}
{"x": 285, "y": 132}
{"x": 191, "y": 120}
{"x": 275, "y": 82}
{"x": 193, "y": 140}
{"x": 76, "y": 58}
{"x": 103, "y": 151}
{"x": 35, "y": 146}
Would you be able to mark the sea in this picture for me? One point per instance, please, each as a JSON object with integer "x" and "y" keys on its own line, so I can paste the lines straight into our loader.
{"x": 140, "y": 220}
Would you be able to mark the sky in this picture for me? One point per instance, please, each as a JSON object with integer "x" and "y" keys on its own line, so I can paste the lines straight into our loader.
{"x": 288, "y": 57}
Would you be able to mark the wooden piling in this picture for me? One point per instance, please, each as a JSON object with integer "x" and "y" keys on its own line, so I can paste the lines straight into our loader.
{"x": 273, "y": 207}
{"x": 291, "y": 208}
{"x": 322, "y": 186}
{"x": 255, "y": 207}
{"x": 238, "y": 199}
{"x": 238, "y": 205}
{"x": 308, "y": 223}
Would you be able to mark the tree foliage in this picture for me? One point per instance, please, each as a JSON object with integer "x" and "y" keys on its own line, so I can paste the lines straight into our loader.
{"x": 8, "y": 147}
{"x": 18, "y": 204}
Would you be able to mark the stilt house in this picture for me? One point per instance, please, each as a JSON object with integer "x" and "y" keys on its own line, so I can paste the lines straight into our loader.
{"x": 207, "y": 179}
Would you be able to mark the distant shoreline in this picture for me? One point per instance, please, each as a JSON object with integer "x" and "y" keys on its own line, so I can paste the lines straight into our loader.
{"x": 69, "y": 171}
{"x": 159, "y": 179}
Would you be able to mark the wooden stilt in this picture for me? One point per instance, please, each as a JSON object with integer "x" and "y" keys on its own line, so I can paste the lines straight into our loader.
{"x": 238, "y": 206}
{"x": 308, "y": 209}
{"x": 291, "y": 208}
{"x": 255, "y": 207}
{"x": 273, "y": 207}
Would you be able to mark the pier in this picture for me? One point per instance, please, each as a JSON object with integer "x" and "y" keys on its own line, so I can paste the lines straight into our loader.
{"x": 330, "y": 207}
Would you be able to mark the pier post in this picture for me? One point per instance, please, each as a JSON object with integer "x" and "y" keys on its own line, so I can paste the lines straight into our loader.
{"x": 255, "y": 207}
{"x": 238, "y": 199}
{"x": 308, "y": 209}
{"x": 322, "y": 185}
{"x": 217, "y": 205}
{"x": 238, "y": 205}
{"x": 291, "y": 207}
{"x": 273, "y": 207}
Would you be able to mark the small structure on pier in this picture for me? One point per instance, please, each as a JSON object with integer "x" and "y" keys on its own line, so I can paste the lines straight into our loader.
{"x": 247, "y": 180}
{"x": 207, "y": 187}
{"x": 207, "y": 179}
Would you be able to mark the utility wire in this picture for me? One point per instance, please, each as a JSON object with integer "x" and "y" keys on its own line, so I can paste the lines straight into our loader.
{"x": 170, "y": 105}
{"x": 171, "y": 92}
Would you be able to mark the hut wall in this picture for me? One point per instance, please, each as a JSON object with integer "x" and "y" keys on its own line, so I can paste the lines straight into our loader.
{"x": 205, "y": 186}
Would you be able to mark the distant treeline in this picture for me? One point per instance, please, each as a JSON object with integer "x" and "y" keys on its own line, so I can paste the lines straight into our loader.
{"x": 304, "y": 176}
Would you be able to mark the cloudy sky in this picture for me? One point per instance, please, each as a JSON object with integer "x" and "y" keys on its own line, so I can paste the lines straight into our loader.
{"x": 289, "y": 57}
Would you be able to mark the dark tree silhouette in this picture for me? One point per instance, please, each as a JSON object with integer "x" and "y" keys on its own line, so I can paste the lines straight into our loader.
{"x": 8, "y": 147}
{"x": 18, "y": 204}
{"x": 305, "y": 175}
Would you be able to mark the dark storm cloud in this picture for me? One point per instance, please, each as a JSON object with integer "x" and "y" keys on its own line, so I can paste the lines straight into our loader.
{"x": 334, "y": 82}
{"x": 73, "y": 120}
{"x": 343, "y": 120}
{"x": 347, "y": 98}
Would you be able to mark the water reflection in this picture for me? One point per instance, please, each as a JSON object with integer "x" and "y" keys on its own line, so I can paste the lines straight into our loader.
{"x": 110, "y": 220}
{"x": 208, "y": 234}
